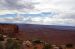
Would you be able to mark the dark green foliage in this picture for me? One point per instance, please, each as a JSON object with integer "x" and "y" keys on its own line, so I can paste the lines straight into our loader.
{"x": 17, "y": 44}
{"x": 10, "y": 34}
{"x": 60, "y": 47}
{"x": 35, "y": 47}
{"x": 37, "y": 41}
{"x": 47, "y": 46}
{"x": 1, "y": 46}
{"x": 69, "y": 45}
{"x": 13, "y": 44}
{"x": 1, "y": 37}
{"x": 9, "y": 44}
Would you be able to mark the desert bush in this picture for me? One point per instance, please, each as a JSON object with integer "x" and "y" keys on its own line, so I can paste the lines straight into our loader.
{"x": 35, "y": 47}
{"x": 37, "y": 41}
{"x": 1, "y": 45}
{"x": 69, "y": 45}
{"x": 13, "y": 44}
{"x": 1, "y": 37}
{"x": 47, "y": 46}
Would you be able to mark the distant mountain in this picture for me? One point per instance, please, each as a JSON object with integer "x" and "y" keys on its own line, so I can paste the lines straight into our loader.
{"x": 35, "y": 26}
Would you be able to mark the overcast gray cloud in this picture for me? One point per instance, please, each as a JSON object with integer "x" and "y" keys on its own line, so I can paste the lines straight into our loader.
{"x": 63, "y": 11}
{"x": 15, "y": 5}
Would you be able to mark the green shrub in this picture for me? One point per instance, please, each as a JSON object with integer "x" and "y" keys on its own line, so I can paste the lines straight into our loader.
{"x": 69, "y": 45}
{"x": 47, "y": 46}
{"x": 35, "y": 47}
{"x": 37, "y": 41}
{"x": 13, "y": 44}
{"x": 1, "y": 37}
{"x": 1, "y": 46}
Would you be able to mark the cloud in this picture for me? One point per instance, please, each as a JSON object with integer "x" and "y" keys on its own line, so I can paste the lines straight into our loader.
{"x": 61, "y": 12}
{"x": 15, "y": 5}
{"x": 61, "y": 18}
{"x": 68, "y": 15}
{"x": 4, "y": 12}
{"x": 62, "y": 5}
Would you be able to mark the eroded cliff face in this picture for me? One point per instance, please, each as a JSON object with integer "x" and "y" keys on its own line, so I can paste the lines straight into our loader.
{"x": 8, "y": 28}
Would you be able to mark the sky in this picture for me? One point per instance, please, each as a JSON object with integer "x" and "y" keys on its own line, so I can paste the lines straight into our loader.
{"x": 44, "y": 12}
